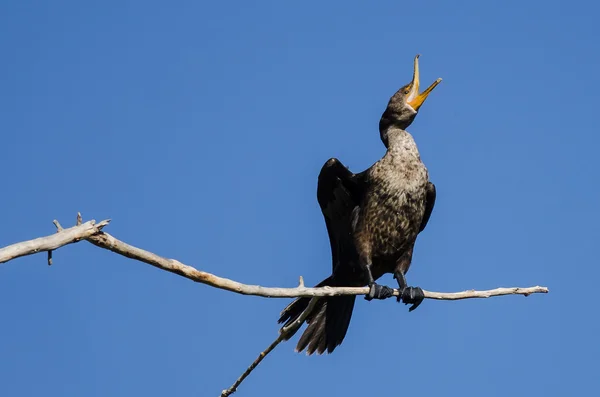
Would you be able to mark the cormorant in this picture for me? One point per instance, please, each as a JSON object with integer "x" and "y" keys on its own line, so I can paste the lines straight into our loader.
{"x": 373, "y": 219}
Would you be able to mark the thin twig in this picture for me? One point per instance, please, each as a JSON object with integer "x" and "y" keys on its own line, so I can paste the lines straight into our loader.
{"x": 284, "y": 332}
{"x": 59, "y": 228}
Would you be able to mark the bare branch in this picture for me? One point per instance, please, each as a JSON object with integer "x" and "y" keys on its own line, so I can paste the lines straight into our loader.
{"x": 454, "y": 296}
{"x": 105, "y": 240}
{"x": 283, "y": 334}
{"x": 92, "y": 233}
{"x": 52, "y": 242}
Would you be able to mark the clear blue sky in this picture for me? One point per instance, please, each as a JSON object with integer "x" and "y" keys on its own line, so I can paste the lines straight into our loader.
{"x": 200, "y": 129}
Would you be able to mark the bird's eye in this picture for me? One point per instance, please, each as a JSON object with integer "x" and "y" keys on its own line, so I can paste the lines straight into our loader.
{"x": 406, "y": 92}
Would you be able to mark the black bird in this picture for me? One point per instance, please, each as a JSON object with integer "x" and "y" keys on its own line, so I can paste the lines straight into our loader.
{"x": 373, "y": 219}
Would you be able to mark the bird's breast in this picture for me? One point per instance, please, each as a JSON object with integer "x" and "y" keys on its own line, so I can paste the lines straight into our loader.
{"x": 393, "y": 207}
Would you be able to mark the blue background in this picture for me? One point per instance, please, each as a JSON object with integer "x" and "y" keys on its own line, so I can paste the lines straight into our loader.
{"x": 200, "y": 129}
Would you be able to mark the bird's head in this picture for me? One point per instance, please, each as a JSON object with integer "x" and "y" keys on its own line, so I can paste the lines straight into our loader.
{"x": 405, "y": 103}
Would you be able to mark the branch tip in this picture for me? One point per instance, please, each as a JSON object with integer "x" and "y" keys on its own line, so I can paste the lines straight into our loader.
{"x": 59, "y": 228}
{"x": 301, "y": 282}
{"x": 103, "y": 223}
{"x": 79, "y": 219}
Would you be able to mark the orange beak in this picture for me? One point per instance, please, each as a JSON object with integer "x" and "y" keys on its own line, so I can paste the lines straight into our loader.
{"x": 414, "y": 99}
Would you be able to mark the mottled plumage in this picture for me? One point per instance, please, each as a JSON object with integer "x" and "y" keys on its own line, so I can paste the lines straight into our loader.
{"x": 373, "y": 219}
{"x": 393, "y": 205}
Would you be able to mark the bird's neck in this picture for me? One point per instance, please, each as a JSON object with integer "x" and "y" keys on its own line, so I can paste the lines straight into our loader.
{"x": 400, "y": 142}
{"x": 393, "y": 137}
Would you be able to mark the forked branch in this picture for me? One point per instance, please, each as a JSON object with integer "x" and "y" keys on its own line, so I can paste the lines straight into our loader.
{"x": 93, "y": 233}
{"x": 60, "y": 239}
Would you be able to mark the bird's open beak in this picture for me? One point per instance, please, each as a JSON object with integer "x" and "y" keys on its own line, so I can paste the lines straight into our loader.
{"x": 414, "y": 99}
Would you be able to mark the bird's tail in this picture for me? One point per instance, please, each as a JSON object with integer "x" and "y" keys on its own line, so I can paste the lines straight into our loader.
{"x": 327, "y": 323}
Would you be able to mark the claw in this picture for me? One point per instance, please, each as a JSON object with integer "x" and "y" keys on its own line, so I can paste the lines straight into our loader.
{"x": 412, "y": 295}
{"x": 377, "y": 291}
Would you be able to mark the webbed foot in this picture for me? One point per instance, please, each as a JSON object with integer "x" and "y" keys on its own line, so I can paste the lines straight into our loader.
{"x": 377, "y": 291}
{"x": 411, "y": 295}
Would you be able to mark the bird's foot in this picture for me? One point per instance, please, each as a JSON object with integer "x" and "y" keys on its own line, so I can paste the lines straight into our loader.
{"x": 377, "y": 291}
{"x": 411, "y": 295}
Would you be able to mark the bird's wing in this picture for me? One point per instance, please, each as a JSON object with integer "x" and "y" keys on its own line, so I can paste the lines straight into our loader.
{"x": 429, "y": 203}
{"x": 338, "y": 193}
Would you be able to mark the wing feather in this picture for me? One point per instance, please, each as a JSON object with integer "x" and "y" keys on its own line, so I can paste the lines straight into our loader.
{"x": 429, "y": 204}
{"x": 338, "y": 193}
